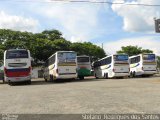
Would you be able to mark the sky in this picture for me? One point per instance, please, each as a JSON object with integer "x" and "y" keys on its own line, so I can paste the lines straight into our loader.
{"x": 113, "y": 25}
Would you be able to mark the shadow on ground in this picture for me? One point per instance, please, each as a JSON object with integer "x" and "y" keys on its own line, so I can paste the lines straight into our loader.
{"x": 66, "y": 81}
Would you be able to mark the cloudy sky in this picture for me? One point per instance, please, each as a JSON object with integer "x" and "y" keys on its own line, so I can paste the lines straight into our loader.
{"x": 114, "y": 25}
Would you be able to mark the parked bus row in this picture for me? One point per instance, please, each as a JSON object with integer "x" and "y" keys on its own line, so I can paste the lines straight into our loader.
{"x": 61, "y": 65}
{"x": 67, "y": 65}
{"x": 124, "y": 66}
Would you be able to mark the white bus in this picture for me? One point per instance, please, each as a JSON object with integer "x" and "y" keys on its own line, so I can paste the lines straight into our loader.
{"x": 112, "y": 66}
{"x": 17, "y": 65}
{"x": 143, "y": 64}
{"x": 83, "y": 66}
{"x": 61, "y": 65}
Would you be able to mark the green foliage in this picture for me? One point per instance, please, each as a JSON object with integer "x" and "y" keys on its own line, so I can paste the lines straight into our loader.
{"x": 87, "y": 48}
{"x": 44, "y": 44}
{"x": 158, "y": 61}
{"x": 133, "y": 50}
{"x": 1, "y": 54}
{"x": 52, "y": 34}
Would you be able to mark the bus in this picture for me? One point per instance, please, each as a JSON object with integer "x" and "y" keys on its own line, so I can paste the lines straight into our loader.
{"x": 143, "y": 65}
{"x": 61, "y": 65}
{"x": 116, "y": 65}
{"x": 17, "y": 65}
{"x": 83, "y": 66}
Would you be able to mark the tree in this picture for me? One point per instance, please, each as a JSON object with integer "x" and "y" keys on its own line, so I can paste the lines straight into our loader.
{"x": 42, "y": 49}
{"x": 89, "y": 49}
{"x": 1, "y": 52}
{"x": 44, "y": 44}
{"x": 133, "y": 50}
{"x": 52, "y": 34}
{"x": 147, "y": 51}
{"x": 158, "y": 61}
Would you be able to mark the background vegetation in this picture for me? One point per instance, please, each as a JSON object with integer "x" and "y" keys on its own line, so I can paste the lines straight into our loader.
{"x": 44, "y": 44}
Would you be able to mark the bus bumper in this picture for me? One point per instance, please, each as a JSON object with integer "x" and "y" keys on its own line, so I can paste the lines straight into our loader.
{"x": 121, "y": 74}
{"x": 17, "y": 79}
{"x": 149, "y": 72}
{"x": 66, "y": 76}
{"x": 84, "y": 72}
{"x": 146, "y": 72}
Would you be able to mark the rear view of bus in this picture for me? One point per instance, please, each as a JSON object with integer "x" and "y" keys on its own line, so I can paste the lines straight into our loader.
{"x": 143, "y": 65}
{"x": 83, "y": 66}
{"x": 66, "y": 65}
{"x": 149, "y": 64}
{"x": 17, "y": 65}
{"x": 121, "y": 65}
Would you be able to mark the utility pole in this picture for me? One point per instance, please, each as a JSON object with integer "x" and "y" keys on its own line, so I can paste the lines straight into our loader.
{"x": 157, "y": 25}
{"x": 102, "y": 45}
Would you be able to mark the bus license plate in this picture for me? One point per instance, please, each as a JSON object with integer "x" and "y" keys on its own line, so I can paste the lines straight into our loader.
{"x": 17, "y": 60}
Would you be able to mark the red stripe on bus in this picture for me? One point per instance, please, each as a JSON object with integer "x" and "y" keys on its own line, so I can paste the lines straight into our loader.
{"x": 18, "y": 74}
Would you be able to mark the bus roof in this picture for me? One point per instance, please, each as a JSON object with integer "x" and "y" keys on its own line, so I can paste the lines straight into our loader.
{"x": 59, "y": 52}
{"x": 15, "y": 49}
{"x": 83, "y": 56}
{"x": 110, "y": 56}
{"x": 140, "y": 54}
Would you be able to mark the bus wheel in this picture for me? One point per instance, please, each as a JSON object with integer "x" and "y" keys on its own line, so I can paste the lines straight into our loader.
{"x": 29, "y": 82}
{"x": 3, "y": 81}
{"x": 81, "y": 77}
{"x": 10, "y": 83}
{"x": 134, "y": 74}
{"x": 95, "y": 76}
{"x": 106, "y": 75}
{"x": 51, "y": 78}
{"x": 131, "y": 75}
{"x": 45, "y": 79}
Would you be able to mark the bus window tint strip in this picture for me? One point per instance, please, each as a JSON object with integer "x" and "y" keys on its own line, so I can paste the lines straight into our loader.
{"x": 82, "y": 59}
{"x": 135, "y": 60}
{"x": 149, "y": 57}
{"x": 16, "y": 54}
{"x": 104, "y": 61}
{"x": 18, "y": 70}
{"x": 121, "y": 57}
{"x": 67, "y": 57}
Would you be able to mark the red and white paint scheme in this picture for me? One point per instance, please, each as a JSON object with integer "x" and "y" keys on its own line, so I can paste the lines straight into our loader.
{"x": 17, "y": 65}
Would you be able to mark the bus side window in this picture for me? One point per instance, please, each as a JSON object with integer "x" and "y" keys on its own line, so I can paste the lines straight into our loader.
{"x": 138, "y": 59}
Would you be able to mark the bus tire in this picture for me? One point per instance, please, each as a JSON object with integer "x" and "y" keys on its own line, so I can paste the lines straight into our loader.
{"x": 106, "y": 75}
{"x": 44, "y": 78}
{"x": 131, "y": 75}
{"x": 29, "y": 82}
{"x": 96, "y": 76}
{"x": 81, "y": 77}
{"x": 51, "y": 78}
{"x": 134, "y": 74}
{"x": 10, "y": 83}
{"x": 3, "y": 81}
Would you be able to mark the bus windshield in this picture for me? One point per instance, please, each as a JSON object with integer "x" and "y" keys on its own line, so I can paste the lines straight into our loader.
{"x": 120, "y": 57}
{"x": 12, "y": 54}
{"x": 82, "y": 59}
{"x": 149, "y": 57}
{"x": 66, "y": 56}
